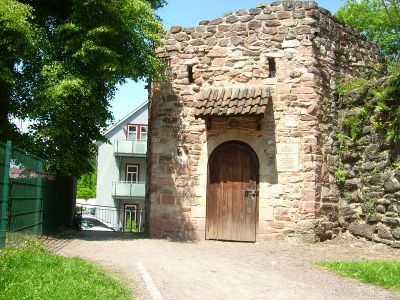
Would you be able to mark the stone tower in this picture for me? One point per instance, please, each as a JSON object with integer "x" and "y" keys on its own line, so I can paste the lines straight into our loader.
{"x": 240, "y": 128}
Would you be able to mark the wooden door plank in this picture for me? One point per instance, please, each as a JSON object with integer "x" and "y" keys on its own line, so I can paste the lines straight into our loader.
{"x": 230, "y": 216}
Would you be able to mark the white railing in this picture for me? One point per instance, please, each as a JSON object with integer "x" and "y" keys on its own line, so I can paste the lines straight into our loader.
{"x": 130, "y": 147}
{"x": 128, "y": 189}
{"x": 111, "y": 217}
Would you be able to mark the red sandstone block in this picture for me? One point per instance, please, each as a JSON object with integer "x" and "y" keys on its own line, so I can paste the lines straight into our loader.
{"x": 309, "y": 84}
{"x": 284, "y": 15}
{"x": 311, "y": 148}
{"x": 312, "y": 109}
{"x": 218, "y": 52}
{"x": 256, "y": 81}
{"x": 283, "y": 88}
{"x": 186, "y": 56}
{"x": 282, "y": 214}
{"x": 303, "y": 90}
{"x": 165, "y": 180}
{"x": 305, "y": 51}
{"x": 307, "y": 208}
{"x": 312, "y": 96}
{"x": 308, "y": 195}
{"x": 308, "y": 166}
{"x": 271, "y": 30}
{"x": 167, "y": 199}
{"x": 275, "y": 226}
{"x": 167, "y": 191}
{"x": 309, "y": 184}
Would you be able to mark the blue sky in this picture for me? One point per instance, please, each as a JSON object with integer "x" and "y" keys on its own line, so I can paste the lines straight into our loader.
{"x": 188, "y": 13}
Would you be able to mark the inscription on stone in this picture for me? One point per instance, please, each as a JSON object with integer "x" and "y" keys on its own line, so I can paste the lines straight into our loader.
{"x": 287, "y": 157}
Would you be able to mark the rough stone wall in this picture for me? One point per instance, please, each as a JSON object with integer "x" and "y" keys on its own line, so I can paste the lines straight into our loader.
{"x": 370, "y": 194}
{"x": 229, "y": 51}
{"x": 339, "y": 51}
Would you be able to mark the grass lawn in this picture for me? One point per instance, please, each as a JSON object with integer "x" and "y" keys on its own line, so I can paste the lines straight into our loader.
{"x": 34, "y": 273}
{"x": 383, "y": 273}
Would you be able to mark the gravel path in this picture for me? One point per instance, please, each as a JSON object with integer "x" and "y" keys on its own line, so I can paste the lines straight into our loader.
{"x": 227, "y": 270}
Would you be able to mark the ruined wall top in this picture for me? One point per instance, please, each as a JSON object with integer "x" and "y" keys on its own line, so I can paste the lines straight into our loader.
{"x": 289, "y": 29}
{"x": 271, "y": 15}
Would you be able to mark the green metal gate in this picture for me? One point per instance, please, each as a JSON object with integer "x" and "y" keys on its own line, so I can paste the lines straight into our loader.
{"x": 21, "y": 187}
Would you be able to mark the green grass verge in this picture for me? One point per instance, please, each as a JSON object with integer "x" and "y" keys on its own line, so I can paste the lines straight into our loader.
{"x": 383, "y": 273}
{"x": 34, "y": 273}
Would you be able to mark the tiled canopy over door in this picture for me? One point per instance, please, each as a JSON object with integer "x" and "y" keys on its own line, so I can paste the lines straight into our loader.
{"x": 232, "y": 101}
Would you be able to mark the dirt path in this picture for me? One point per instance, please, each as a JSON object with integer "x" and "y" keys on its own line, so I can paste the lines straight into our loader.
{"x": 225, "y": 270}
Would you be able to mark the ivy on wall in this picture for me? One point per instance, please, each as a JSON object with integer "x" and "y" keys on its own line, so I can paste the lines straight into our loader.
{"x": 367, "y": 103}
{"x": 380, "y": 107}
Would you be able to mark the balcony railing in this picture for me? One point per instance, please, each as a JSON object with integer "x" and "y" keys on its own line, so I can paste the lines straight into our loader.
{"x": 130, "y": 148}
{"x": 128, "y": 189}
{"x": 108, "y": 218}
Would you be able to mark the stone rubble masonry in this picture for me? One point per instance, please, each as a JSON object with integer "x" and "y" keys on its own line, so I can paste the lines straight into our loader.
{"x": 310, "y": 49}
{"x": 368, "y": 203}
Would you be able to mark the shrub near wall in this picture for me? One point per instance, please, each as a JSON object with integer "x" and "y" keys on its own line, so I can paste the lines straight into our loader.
{"x": 365, "y": 163}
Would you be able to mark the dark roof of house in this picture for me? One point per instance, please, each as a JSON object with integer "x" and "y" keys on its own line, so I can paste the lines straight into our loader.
{"x": 245, "y": 100}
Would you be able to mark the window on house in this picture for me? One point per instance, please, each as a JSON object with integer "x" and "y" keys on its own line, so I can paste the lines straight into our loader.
{"x": 271, "y": 67}
{"x": 136, "y": 132}
{"x": 190, "y": 74}
{"x": 132, "y": 173}
{"x": 131, "y": 132}
{"x": 143, "y": 133}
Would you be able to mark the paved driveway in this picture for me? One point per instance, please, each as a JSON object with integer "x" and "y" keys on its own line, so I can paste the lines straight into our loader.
{"x": 162, "y": 269}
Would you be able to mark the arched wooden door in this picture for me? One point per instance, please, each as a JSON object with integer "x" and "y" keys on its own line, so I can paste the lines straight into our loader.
{"x": 232, "y": 208}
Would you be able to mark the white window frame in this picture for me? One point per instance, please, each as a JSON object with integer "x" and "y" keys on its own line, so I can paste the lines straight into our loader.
{"x": 128, "y": 135}
{"x": 127, "y": 172}
{"x": 141, "y": 127}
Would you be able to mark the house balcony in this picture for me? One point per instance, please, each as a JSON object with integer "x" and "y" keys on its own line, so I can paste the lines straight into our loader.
{"x": 130, "y": 148}
{"x": 125, "y": 189}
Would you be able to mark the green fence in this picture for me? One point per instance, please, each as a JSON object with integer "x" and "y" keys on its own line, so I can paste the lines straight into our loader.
{"x": 22, "y": 192}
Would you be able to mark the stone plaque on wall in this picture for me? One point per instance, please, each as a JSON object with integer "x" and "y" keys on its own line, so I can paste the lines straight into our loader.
{"x": 287, "y": 157}
{"x": 289, "y": 121}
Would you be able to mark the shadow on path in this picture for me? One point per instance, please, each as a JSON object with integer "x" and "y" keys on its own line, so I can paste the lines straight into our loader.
{"x": 92, "y": 235}
{"x": 57, "y": 241}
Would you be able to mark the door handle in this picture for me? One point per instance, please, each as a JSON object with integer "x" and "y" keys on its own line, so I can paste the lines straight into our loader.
{"x": 250, "y": 193}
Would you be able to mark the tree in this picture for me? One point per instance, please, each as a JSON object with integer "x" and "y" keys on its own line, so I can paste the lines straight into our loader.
{"x": 16, "y": 43}
{"x": 86, "y": 188}
{"x": 379, "y": 20}
{"x": 155, "y": 4}
{"x": 82, "y": 50}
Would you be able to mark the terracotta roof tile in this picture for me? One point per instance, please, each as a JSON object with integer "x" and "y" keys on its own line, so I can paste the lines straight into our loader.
{"x": 243, "y": 93}
{"x": 251, "y": 93}
{"x": 255, "y": 101}
{"x": 235, "y": 93}
{"x": 242, "y": 100}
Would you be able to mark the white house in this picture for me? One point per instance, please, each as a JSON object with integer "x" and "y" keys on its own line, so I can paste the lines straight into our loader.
{"x": 121, "y": 172}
